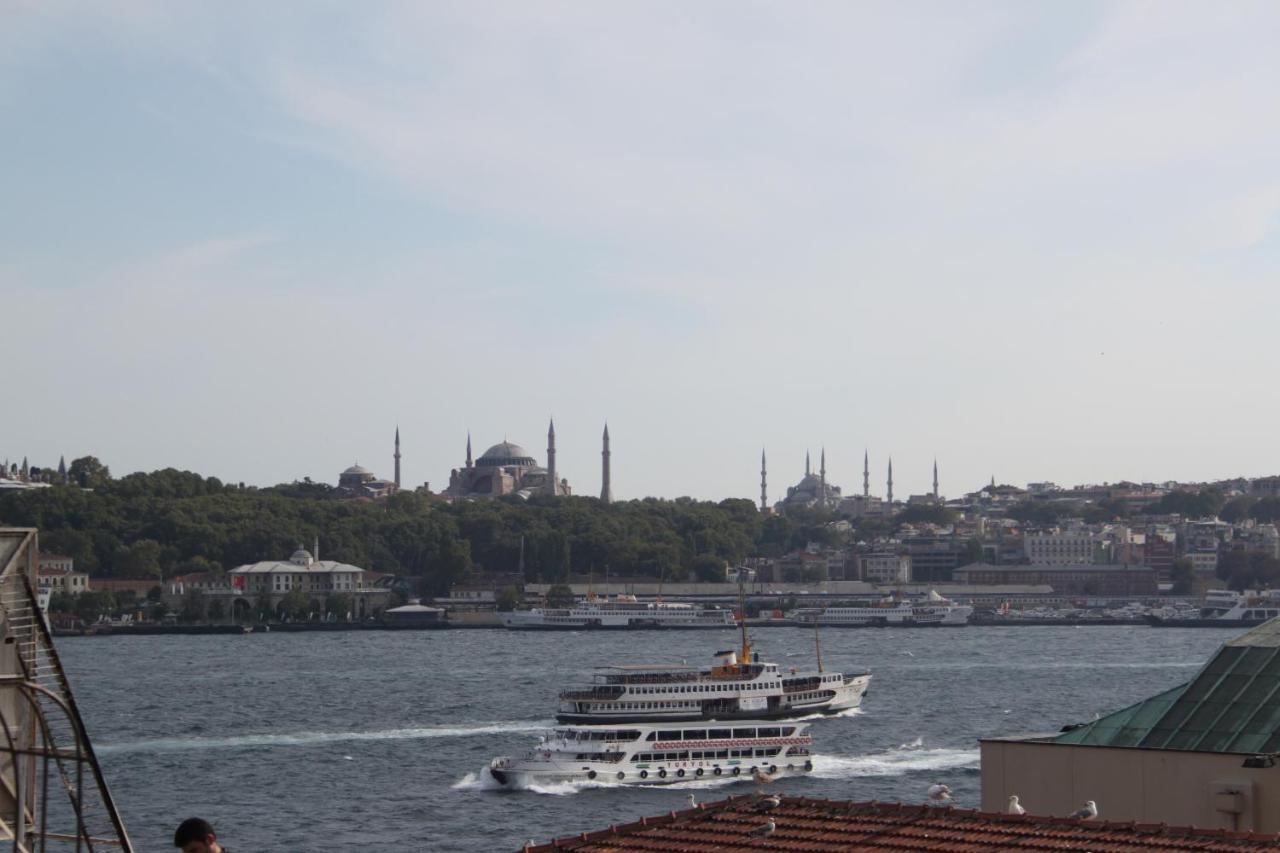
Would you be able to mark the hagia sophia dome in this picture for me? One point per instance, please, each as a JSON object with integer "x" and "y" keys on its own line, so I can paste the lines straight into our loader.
{"x": 504, "y": 454}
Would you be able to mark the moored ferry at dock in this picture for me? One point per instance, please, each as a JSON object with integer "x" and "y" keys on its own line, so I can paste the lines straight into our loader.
{"x": 931, "y": 611}
{"x": 649, "y": 755}
{"x": 619, "y": 612}
{"x": 1223, "y": 608}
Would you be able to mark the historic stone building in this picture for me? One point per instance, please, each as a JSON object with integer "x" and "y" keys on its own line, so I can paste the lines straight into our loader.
{"x": 507, "y": 469}
{"x": 813, "y": 490}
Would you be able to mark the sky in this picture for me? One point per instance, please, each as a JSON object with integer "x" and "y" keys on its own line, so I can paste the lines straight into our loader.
{"x": 1037, "y": 241}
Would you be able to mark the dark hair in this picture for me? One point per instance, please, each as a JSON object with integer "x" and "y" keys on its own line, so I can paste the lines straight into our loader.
{"x": 192, "y": 829}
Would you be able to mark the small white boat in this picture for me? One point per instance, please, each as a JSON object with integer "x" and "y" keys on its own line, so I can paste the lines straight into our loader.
{"x": 649, "y": 755}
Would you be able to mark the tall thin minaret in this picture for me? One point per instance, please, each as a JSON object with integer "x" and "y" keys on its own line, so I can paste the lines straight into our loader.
{"x": 890, "y": 495}
{"x": 397, "y": 457}
{"x": 935, "y": 478}
{"x": 606, "y": 490}
{"x": 822, "y": 476}
{"x": 806, "y": 463}
{"x": 553, "y": 487}
{"x": 866, "y": 474}
{"x": 468, "y": 448}
{"x": 764, "y": 491}
{"x": 62, "y": 470}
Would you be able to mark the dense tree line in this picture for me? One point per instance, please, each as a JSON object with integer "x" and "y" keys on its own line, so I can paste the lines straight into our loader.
{"x": 155, "y": 525}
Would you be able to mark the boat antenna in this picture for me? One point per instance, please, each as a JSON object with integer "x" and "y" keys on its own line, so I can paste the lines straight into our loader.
{"x": 742, "y": 618}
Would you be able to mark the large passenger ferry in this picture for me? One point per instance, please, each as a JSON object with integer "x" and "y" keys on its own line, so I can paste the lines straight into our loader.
{"x": 932, "y": 610}
{"x": 648, "y": 755}
{"x": 1224, "y": 608}
{"x": 622, "y": 611}
{"x": 734, "y": 687}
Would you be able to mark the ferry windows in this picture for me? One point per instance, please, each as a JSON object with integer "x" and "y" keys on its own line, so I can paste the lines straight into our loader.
{"x": 770, "y": 733}
{"x": 669, "y": 734}
{"x": 744, "y": 733}
{"x": 788, "y": 731}
{"x": 651, "y": 736}
{"x": 695, "y": 734}
{"x": 719, "y": 734}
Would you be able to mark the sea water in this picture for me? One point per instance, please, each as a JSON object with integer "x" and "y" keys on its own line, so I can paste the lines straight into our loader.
{"x": 379, "y": 740}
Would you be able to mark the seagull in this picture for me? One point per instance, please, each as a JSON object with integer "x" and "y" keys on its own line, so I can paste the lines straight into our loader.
{"x": 693, "y": 801}
{"x": 764, "y": 830}
{"x": 1014, "y": 806}
{"x": 1089, "y": 812}
{"x": 939, "y": 793}
{"x": 768, "y": 804}
{"x": 763, "y": 778}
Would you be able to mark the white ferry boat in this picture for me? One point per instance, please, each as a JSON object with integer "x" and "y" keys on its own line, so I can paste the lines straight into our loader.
{"x": 622, "y": 611}
{"x": 1225, "y": 608}
{"x": 731, "y": 689}
{"x": 932, "y": 610}
{"x": 648, "y": 755}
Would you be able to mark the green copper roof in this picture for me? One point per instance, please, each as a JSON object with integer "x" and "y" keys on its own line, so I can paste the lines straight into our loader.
{"x": 1232, "y": 705}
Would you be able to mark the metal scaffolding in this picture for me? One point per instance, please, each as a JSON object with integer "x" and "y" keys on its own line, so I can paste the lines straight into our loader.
{"x": 52, "y": 793}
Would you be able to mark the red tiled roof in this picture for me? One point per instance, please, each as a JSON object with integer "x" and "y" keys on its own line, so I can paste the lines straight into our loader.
{"x": 828, "y": 826}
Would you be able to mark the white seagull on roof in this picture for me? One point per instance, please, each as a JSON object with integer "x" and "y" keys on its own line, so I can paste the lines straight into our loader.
{"x": 693, "y": 801}
{"x": 768, "y": 804}
{"x": 939, "y": 793}
{"x": 764, "y": 830}
{"x": 1015, "y": 807}
{"x": 1089, "y": 812}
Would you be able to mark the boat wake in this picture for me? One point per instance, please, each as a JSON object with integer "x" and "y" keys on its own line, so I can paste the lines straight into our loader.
{"x": 907, "y": 758}
{"x": 482, "y": 781}
{"x": 847, "y": 712}
{"x": 185, "y": 744}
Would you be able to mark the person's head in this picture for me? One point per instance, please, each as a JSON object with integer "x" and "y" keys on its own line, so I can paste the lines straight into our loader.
{"x": 196, "y": 836}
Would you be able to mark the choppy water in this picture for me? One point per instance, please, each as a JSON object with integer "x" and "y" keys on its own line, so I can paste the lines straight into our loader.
{"x": 377, "y": 740}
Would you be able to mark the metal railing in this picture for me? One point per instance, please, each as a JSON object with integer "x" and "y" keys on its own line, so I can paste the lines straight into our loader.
{"x": 52, "y": 792}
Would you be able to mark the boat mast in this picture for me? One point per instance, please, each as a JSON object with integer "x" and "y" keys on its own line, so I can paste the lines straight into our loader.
{"x": 742, "y": 616}
{"x": 817, "y": 642}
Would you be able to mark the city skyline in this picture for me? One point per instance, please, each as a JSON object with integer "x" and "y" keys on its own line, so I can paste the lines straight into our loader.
{"x": 1036, "y": 242}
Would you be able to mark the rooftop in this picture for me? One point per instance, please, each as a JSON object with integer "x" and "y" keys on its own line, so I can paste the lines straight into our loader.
{"x": 1232, "y": 705}
{"x": 828, "y": 826}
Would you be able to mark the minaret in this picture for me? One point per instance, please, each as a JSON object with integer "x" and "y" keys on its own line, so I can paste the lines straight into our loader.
{"x": 866, "y": 474}
{"x": 315, "y": 547}
{"x": 822, "y": 477}
{"x": 606, "y": 491}
{"x": 553, "y": 487}
{"x": 890, "y": 495}
{"x": 468, "y": 448}
{"x": 62, "y": 470}
{"x": 806, "y": 463}
{"x": 935, "y": 478}
{"x": 397, "y": 457}
{"x": 764, "y": 491}
{"x": 25, "y": 471}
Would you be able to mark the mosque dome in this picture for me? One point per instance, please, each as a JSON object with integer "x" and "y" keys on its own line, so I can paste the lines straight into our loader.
{"x": 505, "y": 453}
{"x": 301, "y": 557}
{"x": 357, "y": 469}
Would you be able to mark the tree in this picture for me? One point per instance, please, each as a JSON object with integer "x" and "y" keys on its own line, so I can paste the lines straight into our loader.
{"x": 339, "y": 604}
{"x": 192, "y": 606}
{"x": 90, "y": 605}
{"x": 708, "y": 569}
{"x": 141, "y": 560}
{"x": 1183, "y": 575}
{"x": 296, "y": 604}
{"x": 62, "y": 601}
{"x": 508, "y": 599}
{"x": 217, "y": 610}
{"x": 559, "y": 595}
{"x": 1237, "y": 509}
{"x": 89, "y": 473}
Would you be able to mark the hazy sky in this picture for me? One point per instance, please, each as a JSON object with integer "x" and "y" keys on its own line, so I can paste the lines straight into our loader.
{"x": 1038, "y": 240}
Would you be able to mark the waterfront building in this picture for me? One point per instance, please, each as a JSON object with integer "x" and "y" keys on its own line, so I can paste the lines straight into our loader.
{"x": 1059, "y": 548}
{"x": 1080, "y": 579}
{"x": 1203, "y": 752}
{"x": 740, "y": 825}
{"x": 56, "y": 573}
{"x": 271, "y": 581}
{"x": 885, "y": 569}
{"x": 508, "y": 469}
